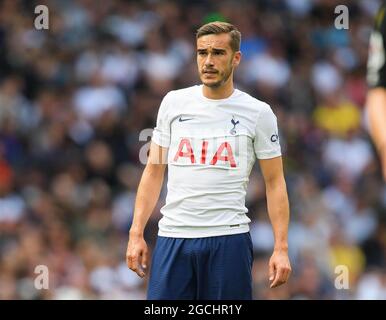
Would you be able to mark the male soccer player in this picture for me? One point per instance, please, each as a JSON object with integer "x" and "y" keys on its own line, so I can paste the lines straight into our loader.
{"x": 211, "y": 135}
{"x": 376, "y": 79}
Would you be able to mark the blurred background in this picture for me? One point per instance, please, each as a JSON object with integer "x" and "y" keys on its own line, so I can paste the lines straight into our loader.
{"x": 74, "y": 98}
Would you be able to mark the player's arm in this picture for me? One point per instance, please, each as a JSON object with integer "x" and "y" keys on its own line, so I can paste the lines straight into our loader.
{"x": 147, "y": 196}
{"x": 278, "y": 210}
{"x": 376, "y": 108}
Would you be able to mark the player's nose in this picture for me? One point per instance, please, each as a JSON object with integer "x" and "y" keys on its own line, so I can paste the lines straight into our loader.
{"x": 208, "y": 61}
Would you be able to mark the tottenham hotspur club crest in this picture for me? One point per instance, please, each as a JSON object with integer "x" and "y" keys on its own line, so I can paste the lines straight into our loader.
{"x": 235, "y": 123}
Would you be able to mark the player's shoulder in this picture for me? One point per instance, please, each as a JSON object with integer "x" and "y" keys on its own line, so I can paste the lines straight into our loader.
{"x": 259, "y": 105}
{"x": 182, "y": 93}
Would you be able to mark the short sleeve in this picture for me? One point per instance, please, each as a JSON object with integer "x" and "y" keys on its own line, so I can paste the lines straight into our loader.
{"x": 266, "y": 143}
{"x": 161, "y": 133}
{"x": 376, "y": 63}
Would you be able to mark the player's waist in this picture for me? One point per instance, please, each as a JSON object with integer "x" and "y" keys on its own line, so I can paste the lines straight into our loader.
{"x": 195, "y": 218}
{"x": 166, "y": 230}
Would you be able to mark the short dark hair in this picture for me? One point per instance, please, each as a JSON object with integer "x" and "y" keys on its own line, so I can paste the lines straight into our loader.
{"x": 218, "y": 27}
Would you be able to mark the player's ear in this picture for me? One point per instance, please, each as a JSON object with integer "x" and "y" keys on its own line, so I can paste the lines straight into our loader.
{"x": 236, "y": 58}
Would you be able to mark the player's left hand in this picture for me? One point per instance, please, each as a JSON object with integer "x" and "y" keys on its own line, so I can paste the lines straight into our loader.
{"x": 279, "y": 268}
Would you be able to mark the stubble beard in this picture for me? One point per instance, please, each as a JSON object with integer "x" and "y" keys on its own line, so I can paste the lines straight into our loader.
{"x": 223, "y": 80}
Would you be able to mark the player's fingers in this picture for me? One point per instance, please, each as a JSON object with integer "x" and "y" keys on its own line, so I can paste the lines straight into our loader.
{"x": 278, "y": 280}
{"x": 128, "y": 259}
{"x": 140, "y": 272}
{"x": 139, "y": 269}
{"x": 129, "y": 255}
{"x": 144, "y": 259}
{"x": 137, "y": 264}
{"x": 133, "y": 264}
{"x": 271, "y": 271}
{"x": 282, "y": 276}
{"x": 286, "y": 274}
{"x": 131, "y": 260}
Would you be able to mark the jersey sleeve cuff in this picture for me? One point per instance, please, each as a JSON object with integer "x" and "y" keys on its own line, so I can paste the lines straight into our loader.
{"x": 268, "y": 154}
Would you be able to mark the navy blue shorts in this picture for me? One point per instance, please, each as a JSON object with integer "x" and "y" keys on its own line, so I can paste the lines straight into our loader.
{"x": 212, "y": 268}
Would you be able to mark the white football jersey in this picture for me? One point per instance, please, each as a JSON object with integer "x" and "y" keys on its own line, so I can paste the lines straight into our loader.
{"x": 213, "y": 145}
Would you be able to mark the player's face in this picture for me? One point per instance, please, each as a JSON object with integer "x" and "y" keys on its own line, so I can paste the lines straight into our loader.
{"x": 215, "y": 59}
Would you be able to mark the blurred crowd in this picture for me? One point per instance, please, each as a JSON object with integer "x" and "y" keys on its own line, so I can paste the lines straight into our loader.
{"x": 74, "y": 103}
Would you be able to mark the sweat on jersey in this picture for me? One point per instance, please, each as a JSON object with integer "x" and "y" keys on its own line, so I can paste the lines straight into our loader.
{"x": 213, "y": 145}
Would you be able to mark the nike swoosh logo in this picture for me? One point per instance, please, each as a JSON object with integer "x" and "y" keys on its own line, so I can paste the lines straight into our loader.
{"x": 182, "y": 120}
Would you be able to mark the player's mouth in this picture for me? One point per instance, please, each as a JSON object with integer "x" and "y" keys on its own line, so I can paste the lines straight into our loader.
{"x": 209, "y": 71}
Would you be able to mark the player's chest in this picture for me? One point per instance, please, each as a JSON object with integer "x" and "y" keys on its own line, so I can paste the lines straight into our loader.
{"x": 218, "y": 138}
{"x": 215, "y": 122}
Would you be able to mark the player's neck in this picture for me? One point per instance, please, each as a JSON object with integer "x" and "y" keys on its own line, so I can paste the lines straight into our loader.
{"x": 222, "y": 92}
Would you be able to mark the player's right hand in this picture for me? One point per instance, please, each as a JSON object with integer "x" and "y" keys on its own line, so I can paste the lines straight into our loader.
{"x": 137, "y": 255}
